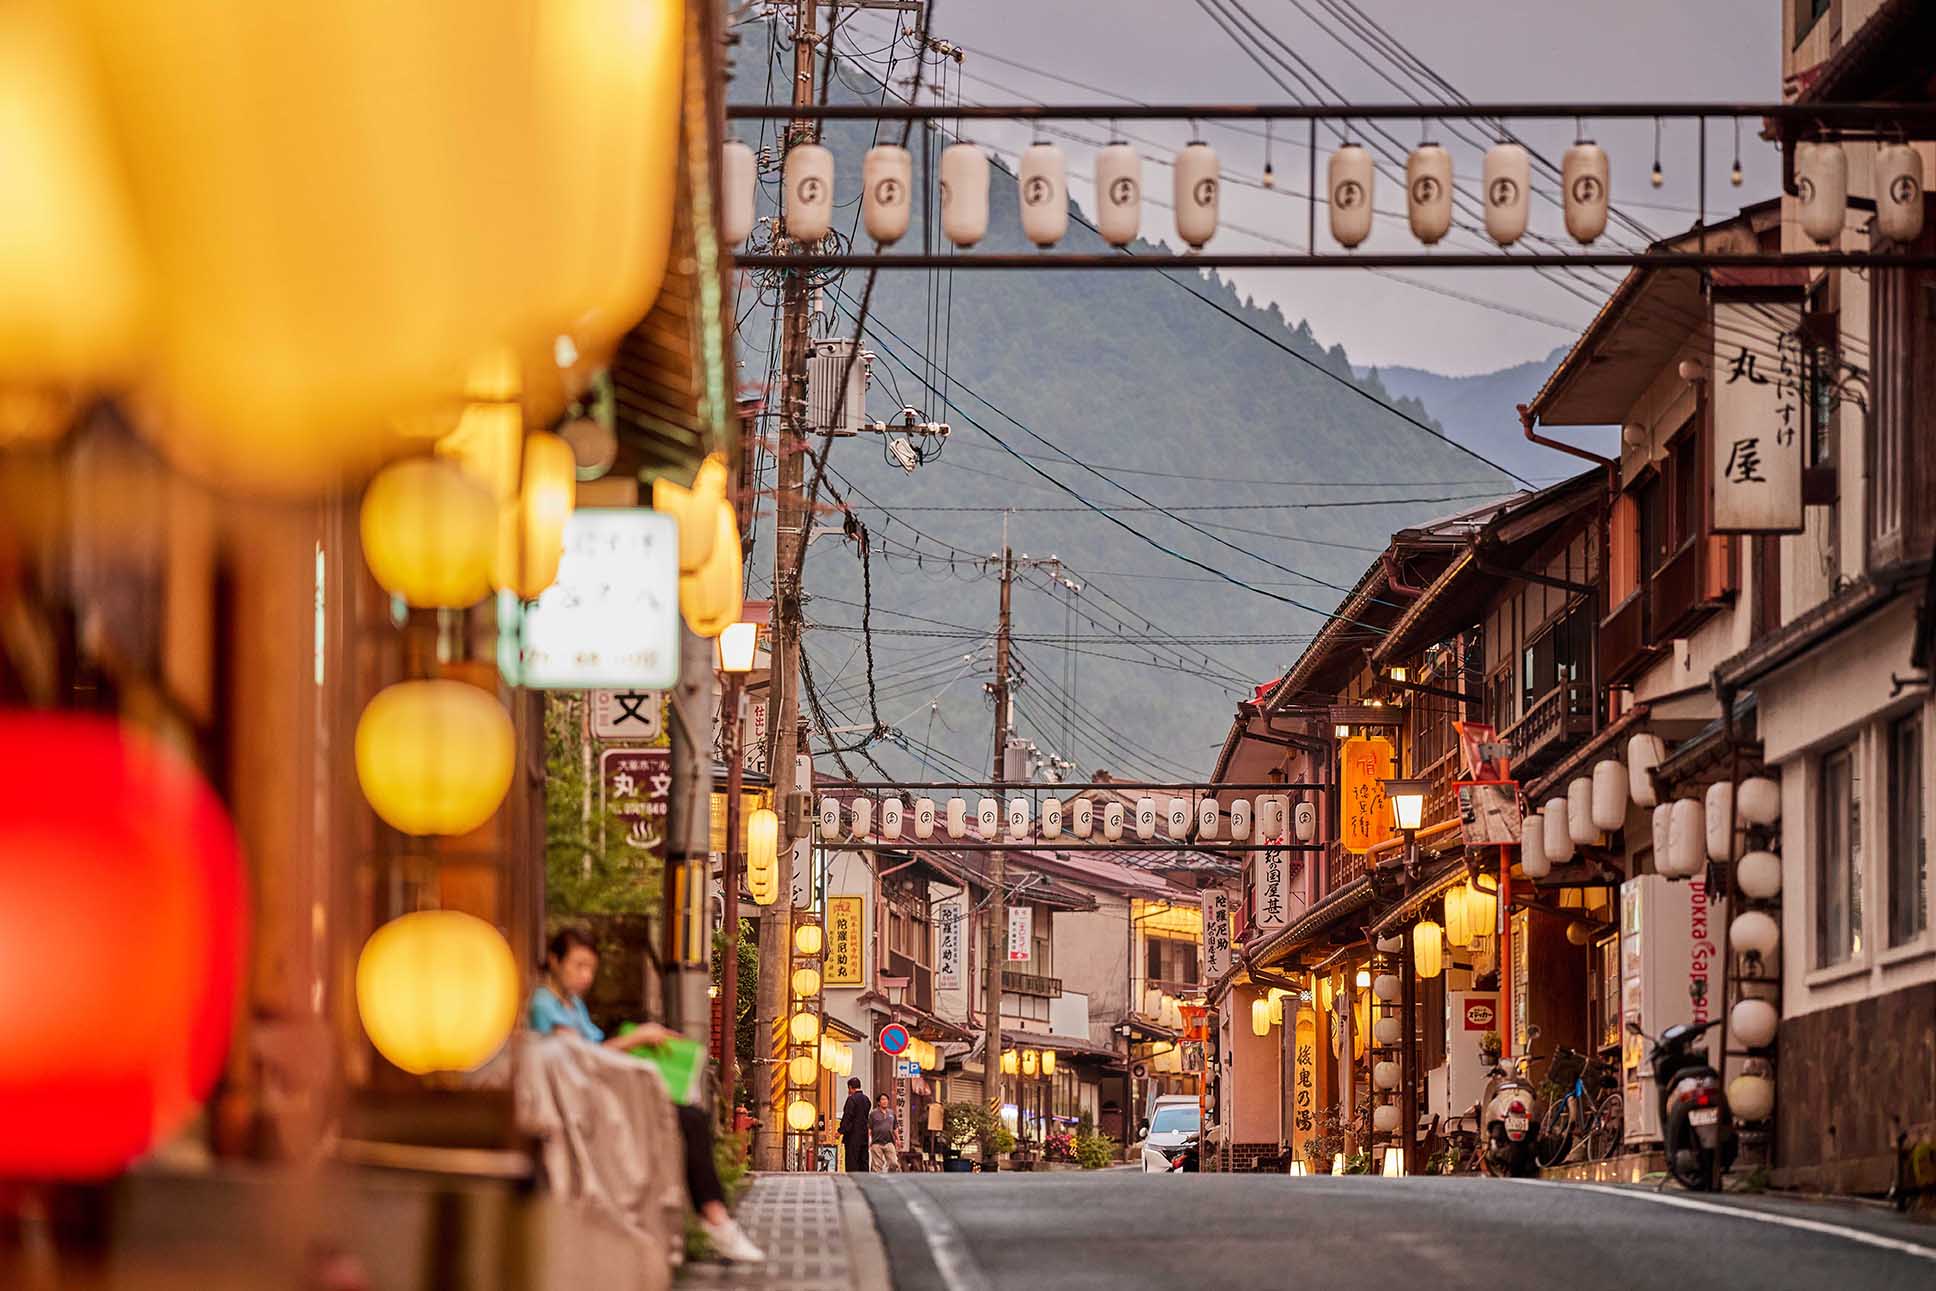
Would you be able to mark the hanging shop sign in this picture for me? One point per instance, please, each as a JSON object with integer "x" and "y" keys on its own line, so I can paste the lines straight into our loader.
{"x": 628, "y": 714}
{"x": 637, "y": 791}
{"x": 949, "y": 915}
{"x": 1304, "y": 1078}
{"x": 1366, "y": 763}
{"x": 1021, "y": 932}
{"x": 846, "y": 918}
{"x": 612, "y": 616}
{"x": 1216, "y": 933}
{"x": 1270, "y": 896}
{"x": 1759, "y": 417}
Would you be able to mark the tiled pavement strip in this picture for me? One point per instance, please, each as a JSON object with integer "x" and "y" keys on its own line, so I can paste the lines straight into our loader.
{"x": 817, "y": 1232}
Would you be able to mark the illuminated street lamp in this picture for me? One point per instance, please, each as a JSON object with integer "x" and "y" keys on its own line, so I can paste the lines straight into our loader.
{"x": 738, "y": 644}
{"x": 1408, "y": 804}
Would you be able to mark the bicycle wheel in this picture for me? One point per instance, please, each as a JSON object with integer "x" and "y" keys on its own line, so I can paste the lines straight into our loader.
{"x": 1555, "y": 1133}
{"x": 1609, "y": 1128}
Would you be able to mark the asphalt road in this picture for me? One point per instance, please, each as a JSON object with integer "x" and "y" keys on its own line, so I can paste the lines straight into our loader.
{"x": 1212, "y": 1232}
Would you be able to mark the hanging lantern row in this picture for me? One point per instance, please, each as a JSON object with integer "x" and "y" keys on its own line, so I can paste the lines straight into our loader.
{"x": 1030, "y": 1062}
{"x": 1276, "y": 819}
{"x": 1822, "y": 184}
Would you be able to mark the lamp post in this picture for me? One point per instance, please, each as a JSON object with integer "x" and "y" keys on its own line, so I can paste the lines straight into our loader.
{"x": 737, "y": 647}
{"x": 1407, "y": 797}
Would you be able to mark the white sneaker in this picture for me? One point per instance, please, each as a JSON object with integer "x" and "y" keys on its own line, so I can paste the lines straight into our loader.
{"x": 731, "y": 1243}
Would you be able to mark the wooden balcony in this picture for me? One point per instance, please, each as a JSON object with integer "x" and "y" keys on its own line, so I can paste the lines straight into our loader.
{"x": 1558, "y": 720}
{"x": 1624, "y": 645}
{"x": 1676, "y": 592}
{"x": 920, "y": 980}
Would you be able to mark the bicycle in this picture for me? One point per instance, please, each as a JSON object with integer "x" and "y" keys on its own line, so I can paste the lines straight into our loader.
{"x": 1591, "y": 1113}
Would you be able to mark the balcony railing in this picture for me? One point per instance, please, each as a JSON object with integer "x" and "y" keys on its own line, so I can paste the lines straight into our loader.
{"x": 1623, "y": 638}
{"x": 1557, "y": 720}
{"x": 1677, "y": 590}
{"x": 1029, "y": 984}
{"x": 920, "y": 980}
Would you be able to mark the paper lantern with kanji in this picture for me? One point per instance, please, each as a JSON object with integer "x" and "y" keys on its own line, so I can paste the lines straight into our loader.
{"x": 122, "y": 923}
{"x": 437, "y": 990}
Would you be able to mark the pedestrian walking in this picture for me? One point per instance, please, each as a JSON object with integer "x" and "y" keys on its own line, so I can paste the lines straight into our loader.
{"x": 882, "y": 1155}
{"x": 853, "y": 1127}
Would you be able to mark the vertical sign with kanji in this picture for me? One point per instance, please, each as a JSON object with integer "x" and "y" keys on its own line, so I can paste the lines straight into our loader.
{"x": 1269, "y": 900}
{"x": 1216, "y": 934}
{"x": 1021, "y": 932}
{"x": 1760, "y": 417}
{"x": 1366, "y": 765}
{"x": 637, "y": 786}
{"x": 948, "y": 917}
{"x": 1304, "y": 1080}
{"x": 845, "y": 916}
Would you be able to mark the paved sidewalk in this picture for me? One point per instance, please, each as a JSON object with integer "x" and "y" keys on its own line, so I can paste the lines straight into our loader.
{"x": 818, "y": 1235}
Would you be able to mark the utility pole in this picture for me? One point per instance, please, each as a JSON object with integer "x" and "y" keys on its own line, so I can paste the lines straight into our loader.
{"x": 997, "y": 907}
{"x": 790, "y": 533}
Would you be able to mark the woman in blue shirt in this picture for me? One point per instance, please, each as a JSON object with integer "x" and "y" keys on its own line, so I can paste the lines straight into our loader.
{"x": 558, "y": 1008}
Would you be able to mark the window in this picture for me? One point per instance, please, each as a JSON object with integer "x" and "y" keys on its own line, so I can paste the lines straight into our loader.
{"x": 1908, "y": 857}
{"x": 1685, "y": 463}
{"x": 1650, "y": 501}
{"x": 1807, "y": 14}
{"x": 1902, "y": 485}
{"x": 1170, "y": 960}
{"x": 1838, "y": 859}
{"x": 1499, "y": 698}
{"x": 1559, "y": 655}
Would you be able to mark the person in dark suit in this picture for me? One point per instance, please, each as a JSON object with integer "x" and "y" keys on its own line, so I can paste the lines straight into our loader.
{"x": 853, "y": 1126}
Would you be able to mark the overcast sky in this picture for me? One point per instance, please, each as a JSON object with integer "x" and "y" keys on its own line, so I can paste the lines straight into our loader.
{"x": 1490, "y": 50}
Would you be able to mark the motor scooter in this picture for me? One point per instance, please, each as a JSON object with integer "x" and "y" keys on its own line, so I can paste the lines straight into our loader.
{"x": 1695, "y": 1124}
{"x": 1510, "y": 1126}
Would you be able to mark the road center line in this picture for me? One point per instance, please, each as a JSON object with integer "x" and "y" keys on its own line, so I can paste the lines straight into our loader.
{"x": 946, "y": 1244}
{"x": 1758, "y": 1216}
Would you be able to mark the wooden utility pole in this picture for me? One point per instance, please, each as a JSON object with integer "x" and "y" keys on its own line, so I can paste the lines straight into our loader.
{"x": 997, "y": 907}
{"x": 790, "y": 534}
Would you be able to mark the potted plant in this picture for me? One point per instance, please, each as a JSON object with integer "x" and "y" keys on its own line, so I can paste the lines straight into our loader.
{"x": 1489, "y": 1049}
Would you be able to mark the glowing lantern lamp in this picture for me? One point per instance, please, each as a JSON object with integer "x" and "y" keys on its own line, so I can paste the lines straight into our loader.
{"x": 434, "y": 757}
{"x": 1031, "y": 1062}
{"x": 1048, "y": 1062}
{"x": 801, "y": 1115}
{"x": 437, "y": 991}
{"x": 762, "y": 867}
{"x": 1363, "y": 979}
{"x": 427, "y": 534}
{"x": 806, "y": 982}
{"x": 1428, "y": 948}
{"x": 807, "y": 938}
{"x": 1011, "y": 1062}
{"x": 696, "y": 509}
{"x": 804, "y": 1028}
{"x": 1481, "y": 910}
{"x": 1457, "y": 931}
{"x": 712, "y": 599}
{"x": 531, "y": 531}
{"x": 1260, "y": 1017}
{"x": 803, "y": 1070}
{"x": 122, "y": 898}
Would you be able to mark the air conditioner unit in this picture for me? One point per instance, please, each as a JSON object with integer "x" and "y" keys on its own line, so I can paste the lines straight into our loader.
{"x": 826, "y": 362}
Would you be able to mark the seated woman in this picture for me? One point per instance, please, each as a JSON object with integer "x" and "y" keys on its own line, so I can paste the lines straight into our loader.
{"x": 558, "y": 1008}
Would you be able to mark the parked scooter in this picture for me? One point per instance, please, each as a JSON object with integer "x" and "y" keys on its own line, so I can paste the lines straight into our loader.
{"x": 1509, "y": 1123}
{"x": 1186, "y": 1159}
{"x": 1695, "y": 1124}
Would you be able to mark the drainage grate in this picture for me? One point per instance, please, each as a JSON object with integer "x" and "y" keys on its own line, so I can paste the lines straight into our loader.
{"x": 796, "y": 1220}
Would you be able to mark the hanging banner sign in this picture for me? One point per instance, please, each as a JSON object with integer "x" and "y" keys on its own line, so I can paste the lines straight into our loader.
{"x": 1268, "y": 897}
{"x": 1216, "y": 934}
{"x": 1021, "y": 932}
{"x": 637, "y": 790}
{"x": 1304, "y": 1082}
{"x": 949, "y": 915}
{"x": 612, "y": 616}
{"x": 846, "y": 919}
{"x": 1759, "y": 416}
{"x": 1366, "y": 763}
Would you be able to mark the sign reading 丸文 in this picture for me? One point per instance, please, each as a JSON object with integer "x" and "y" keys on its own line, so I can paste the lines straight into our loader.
{"x": 844, "y": 917}
{"x": 1216, "y": 933}
{"x": 948, "y": 914}
{"x": 1269, "y": 898}
{"x": 637, "y": 788}
{"x": 1021, "y": 930}
{"x": 1760, "y": 417}
{"x": 612, "y": 616}
{"x": 1366, "y": 765}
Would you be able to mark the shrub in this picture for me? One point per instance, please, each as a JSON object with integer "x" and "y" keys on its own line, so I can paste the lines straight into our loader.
{"x": 971, "y": 1126}
{"x": 1094, "y": 1151}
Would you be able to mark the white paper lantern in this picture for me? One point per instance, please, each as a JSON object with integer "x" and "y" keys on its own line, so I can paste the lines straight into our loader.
{"x": 924, "y": 818}
{"x": 1532, "y": 847}
{"x": 1663, "y": 838}
{"x": 1609, "y": 795}
{"x": 988, "y": 819}
{"x": 1119, "y": 194}
{"x": 1899, "y": 192}
{"x": 1018, "y": 817}
{"x": 1751, "y": 1097}
{"x": 964, "y": 194}
{"x": 1052, "y": 818}
{"x": 1758, "y": 875}
{"x": 1146, "y": 818}
{"x": 809, "y": 192}
{"x": 1082, "y": 814}
{"x": 830, "y": 818}
{"x": 1644, "y": 753}
{"x": 957, "y": 817}
{"x": 1112, "y": 821}
{"x": 1506, "y": 191}
{"x": 863, "y": 812}
{"x": 1559, "y": 840}
{"x": 1579, "y": 813}
{"x": 1385, "y": 987}
{"x": 1386, "y": 1031}
{"x": 1042, "y": 186}
{"x": 1686, "y": 840}
{"x": 1720, "y": 801}
{"x": 1428, "y": 192}
{"x": 739, "y": 184}
{"x": 1269, "y": 819}
{"x": 1305, "y": 819}
{"x": 1349, "y": 178}
{"x": 1385, "y": 1074}
{"x": 1583, "y": 183}
{"x": 1755, "y": 932}
{"x": 1384, "y": 1117}
{"x": 1760, "y": 801}
{"x": 1179, "y": 817}
{"x": 887, "y": 192}
{"x": 892, "y": 814}
{"x": 1207, "y": 818}
{"x": 1754, "y": 1022}
{"x": 1390, "y": 945}
{"x": 1822, "y": 183}
{"x": 1197, "y": 189}
{"x": 1240, "y": 819}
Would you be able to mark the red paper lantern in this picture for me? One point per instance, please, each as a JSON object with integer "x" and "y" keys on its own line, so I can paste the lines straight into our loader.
{"x": 122, "y": 923}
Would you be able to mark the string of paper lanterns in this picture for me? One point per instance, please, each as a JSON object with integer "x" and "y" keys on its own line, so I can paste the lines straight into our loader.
{"x": 1275, "y": 817}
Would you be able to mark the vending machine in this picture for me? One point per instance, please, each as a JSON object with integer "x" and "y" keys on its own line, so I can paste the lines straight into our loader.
{"x": 1670, "y": 974}
{"x": 1469, "y": 1017}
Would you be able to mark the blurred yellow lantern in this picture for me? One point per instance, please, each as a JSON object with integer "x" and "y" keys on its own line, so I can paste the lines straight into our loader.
{"x": 829, "y": 1051}
{"x": 806, "y": 982}
{"x": 845, "y": 1065}
{"x": 801, "y": 1115}
{"x": 1428, "y": 948}
{"x": 1048, "y": 1062}
{"x": 762, "y": 865}
{"x": 1260, "y": 1016}
{"x": 1327, "y": 988}
{"x": 1277, "y": 995}
{"x": 531, "y": 529}
{"x": 427, "y": 534}
{"x": 488, "y": 443}
{"x": 804, "y": 1028}
{"x": 1011, "y": 1062}
{"x": 807, "y": 938}
{"x": 712, "y": 599}
{"x": 803, "y": 1070}
{"x": 71, "y": 278}
{"x": 1457, "y": 931}
{"x": 696, "y": 509}
{"x": 1481, "y": 910}
{"x": 336, "y": 199}
{"x": 437, "y": 991}
{"x": 434, "y": 757}
{"x": 1031, "y": 1062}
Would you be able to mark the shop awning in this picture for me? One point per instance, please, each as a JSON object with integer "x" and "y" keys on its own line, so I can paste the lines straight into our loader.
{"x": 1442, "y": 880}
{"x": 1279, "y": 946}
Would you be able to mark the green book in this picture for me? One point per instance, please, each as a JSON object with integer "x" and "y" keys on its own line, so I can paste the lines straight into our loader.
{"x": 680, "y": 1063}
